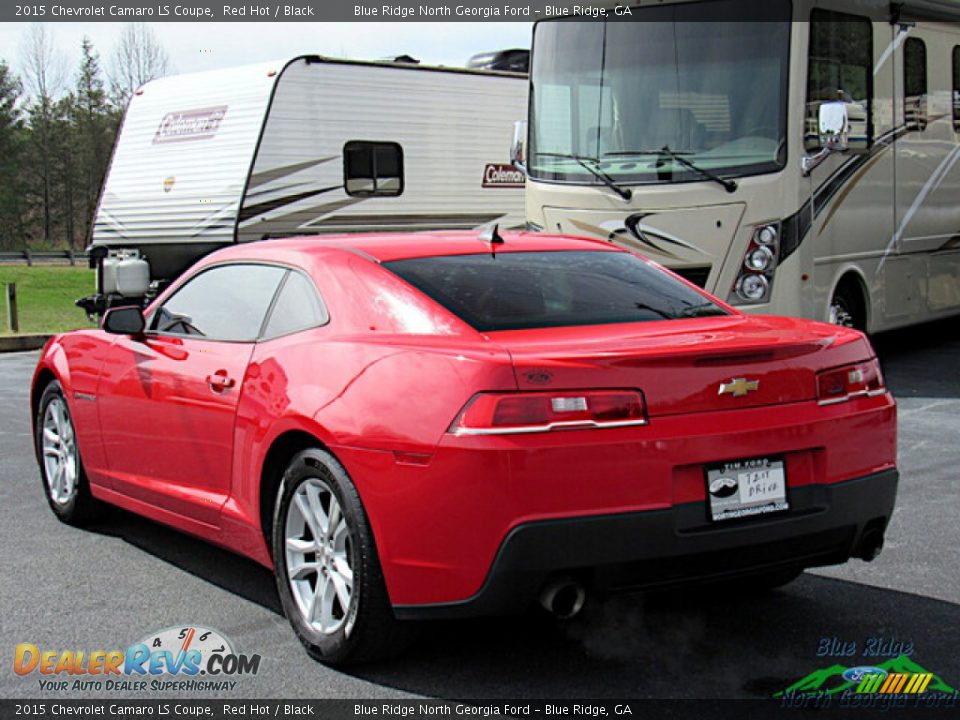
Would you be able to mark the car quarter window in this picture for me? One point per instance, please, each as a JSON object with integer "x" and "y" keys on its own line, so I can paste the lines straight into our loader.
{"x": 297, "y": 307}
{"x": 226, "y": 302}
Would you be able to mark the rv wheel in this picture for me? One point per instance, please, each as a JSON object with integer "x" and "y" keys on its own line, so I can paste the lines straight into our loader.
{"x": 846, "y": 308}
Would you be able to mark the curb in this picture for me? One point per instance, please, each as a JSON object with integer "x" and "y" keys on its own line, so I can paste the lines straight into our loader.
{"x": 18, "y": 343}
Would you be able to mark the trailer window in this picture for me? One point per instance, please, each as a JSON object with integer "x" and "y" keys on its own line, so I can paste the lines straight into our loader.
{"x": 372, "y": 168}
{"x": 955, "y": 98}
{"x": 841, "y": 57}
{"x": 915, "y": 83}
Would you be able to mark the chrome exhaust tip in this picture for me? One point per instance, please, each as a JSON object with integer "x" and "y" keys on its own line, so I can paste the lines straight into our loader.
{"x": 563, "y": 598}
{"x": 871, "y": 545}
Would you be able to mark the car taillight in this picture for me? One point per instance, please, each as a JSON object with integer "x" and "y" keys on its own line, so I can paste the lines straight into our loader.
{"x": 506, "y": 413}
{"x": 849, "y": 381}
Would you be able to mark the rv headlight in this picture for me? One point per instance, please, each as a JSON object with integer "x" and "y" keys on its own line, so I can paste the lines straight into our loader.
{"x": 760, "y": 259}
{"x": 767, "y": 235}
{"x": 752, "y": 287}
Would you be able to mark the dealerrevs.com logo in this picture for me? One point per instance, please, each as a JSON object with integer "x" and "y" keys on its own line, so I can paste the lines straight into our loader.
{"x": 185, "y": 658}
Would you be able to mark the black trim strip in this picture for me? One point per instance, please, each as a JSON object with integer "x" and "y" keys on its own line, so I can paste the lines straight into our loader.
{"x": 474, "y": 220}
{"x": 249, "y": 211}
{"x": 265, "y": 176}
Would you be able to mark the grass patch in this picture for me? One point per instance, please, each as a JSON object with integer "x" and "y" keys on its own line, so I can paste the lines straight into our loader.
{"x": 45, "y": 297}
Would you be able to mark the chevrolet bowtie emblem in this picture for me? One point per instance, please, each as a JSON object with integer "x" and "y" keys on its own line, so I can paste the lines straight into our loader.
{"x": 738, "y": 387}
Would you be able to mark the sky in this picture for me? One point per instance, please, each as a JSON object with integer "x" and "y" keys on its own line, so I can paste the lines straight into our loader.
{"x": 208, "y": 46}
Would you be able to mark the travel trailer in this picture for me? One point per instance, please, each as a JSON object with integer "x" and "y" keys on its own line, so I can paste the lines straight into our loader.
{"x": 307, "y": 146}
{"x": 795, "y": 158}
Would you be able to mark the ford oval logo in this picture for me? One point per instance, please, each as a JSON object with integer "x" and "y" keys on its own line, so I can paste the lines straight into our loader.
{"x": 723, "y": 487}
{"x": 855, "y": 674}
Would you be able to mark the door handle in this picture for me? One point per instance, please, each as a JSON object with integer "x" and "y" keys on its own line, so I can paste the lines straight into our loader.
{"x": 220, "y": 381}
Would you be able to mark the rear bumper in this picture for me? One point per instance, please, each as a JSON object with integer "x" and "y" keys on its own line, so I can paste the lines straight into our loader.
{"x": 826, "y": 525}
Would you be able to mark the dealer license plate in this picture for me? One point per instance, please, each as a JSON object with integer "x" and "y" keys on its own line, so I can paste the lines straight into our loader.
{"x": 747, "y": 487}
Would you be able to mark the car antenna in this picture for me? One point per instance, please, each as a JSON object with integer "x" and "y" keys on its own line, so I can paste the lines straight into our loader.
{"x": 491, "y": 235}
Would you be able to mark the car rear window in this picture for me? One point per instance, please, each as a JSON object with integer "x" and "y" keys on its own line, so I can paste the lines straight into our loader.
{"x": 519, "y": 290}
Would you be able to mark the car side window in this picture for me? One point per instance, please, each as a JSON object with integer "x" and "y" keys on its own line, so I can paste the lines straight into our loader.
{"x": 227, "y": 302}
{"x": 296, "y": 308}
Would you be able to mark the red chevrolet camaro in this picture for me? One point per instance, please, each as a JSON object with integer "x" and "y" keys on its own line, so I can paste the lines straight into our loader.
{"x": 440, "y": 425}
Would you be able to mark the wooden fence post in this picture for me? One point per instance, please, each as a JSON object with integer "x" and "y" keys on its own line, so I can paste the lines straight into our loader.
{"x": 12, "y": 320}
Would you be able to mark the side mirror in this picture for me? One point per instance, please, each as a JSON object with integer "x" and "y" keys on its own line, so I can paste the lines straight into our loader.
{"x": 833, "y": 132}
{"x": 518, "y": 148}
{"x": 834, "y": 125}
{"x": 127, "y": 320}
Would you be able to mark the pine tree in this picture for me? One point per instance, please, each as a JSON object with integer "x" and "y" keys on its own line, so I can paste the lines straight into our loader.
{"x": 11, "y": 145}
{"x": 95, "y": 123}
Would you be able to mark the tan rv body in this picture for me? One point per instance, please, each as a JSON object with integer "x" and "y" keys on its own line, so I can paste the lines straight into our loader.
{"x": 877, "y": 224}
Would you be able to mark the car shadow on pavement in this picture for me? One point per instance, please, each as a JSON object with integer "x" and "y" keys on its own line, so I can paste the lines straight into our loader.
{"x": 219, "y": 567}
{"x": 702, "y": 642}
{"x": 697, "y": 643}
{"x": 922, "y": 361}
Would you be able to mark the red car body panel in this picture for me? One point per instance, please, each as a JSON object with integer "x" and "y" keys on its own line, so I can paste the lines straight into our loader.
{"x": 380, "y": 385}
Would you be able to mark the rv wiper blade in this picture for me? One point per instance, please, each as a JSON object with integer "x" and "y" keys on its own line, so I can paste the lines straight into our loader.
{"x": 728, "y": 185}
{"x": 632, "y": 153}
{"x": 625, "y": 193}
{"x": 704, "y": 309}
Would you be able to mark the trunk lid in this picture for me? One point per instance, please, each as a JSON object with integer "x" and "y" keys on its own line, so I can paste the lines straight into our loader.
{"x": 686, "y": 366}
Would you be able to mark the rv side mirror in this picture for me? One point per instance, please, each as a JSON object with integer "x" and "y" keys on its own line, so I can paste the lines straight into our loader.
{"x": 833, "y": 131}
{"x": 833, "y": 123}
{"x": 127, "y": 320}
{"x": 518, "y": 148}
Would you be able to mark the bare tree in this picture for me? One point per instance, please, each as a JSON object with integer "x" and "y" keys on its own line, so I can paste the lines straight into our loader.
{"x": 44, "y": 66}
{"x": 44, "y": 73}
{"x": 138, "y": 57}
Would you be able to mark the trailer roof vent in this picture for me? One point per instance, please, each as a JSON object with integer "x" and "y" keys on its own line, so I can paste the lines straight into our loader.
{"x": 406, "y": 59}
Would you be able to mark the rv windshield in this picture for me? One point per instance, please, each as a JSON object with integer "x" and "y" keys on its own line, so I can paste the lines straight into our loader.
{"x": 638, "y": 96}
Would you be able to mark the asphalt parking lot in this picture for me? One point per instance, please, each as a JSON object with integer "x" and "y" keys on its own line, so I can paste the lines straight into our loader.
{"x": 108, "y": 586}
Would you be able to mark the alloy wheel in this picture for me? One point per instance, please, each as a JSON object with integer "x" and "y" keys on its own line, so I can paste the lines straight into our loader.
{"x": 60, "y": 458}
{"x": 319, "y": 555}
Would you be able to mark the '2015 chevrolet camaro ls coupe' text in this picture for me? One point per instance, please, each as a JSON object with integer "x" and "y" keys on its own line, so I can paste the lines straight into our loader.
{"x": 446, "y": 424}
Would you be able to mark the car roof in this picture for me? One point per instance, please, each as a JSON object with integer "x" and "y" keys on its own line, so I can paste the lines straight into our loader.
{"x": 385, "y": 247}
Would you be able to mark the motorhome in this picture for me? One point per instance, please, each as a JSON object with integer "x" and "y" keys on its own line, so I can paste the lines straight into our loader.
{"x": 306, "y": 146}
{"x": 795, "y": 158}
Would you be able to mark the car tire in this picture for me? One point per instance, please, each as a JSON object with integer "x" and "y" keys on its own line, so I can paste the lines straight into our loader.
{"x": 322, "y": 566}
{"x": 65, "y": 483}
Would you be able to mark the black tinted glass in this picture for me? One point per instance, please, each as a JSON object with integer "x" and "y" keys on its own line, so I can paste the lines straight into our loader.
{"x": 521, "y": 290}
{"x": 228, "y": 302}
{"x": 914, "y": 67}
{"x": 840, "y": 64}
{"x": 372, "y": 168}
